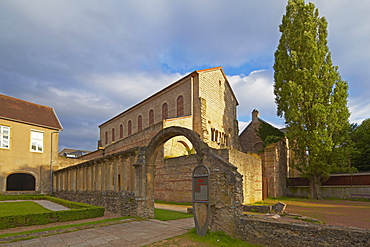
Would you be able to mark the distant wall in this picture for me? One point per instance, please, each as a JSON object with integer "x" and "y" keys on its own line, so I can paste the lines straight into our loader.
{"x": 346, "y": 186}
{"x": 345, "y": 192}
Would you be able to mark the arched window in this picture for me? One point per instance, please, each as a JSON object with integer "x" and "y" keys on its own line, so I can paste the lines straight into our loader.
{"x": 180, "y": 106}
{"x": 106, "y": 137}
{"x": 121, "y": 131}
{"x": 139, "y": 123}
{"x": 151, "y": 117}
{"x": 20, "y": 181}
{"x": 164, "y": 111}
{"x": 129, "y": 127}
{"x": 113, "y": 134}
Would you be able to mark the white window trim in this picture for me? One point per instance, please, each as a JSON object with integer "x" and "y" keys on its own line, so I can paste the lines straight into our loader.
{"x": 38, "y": 141}
{"x": 2, "y": 136}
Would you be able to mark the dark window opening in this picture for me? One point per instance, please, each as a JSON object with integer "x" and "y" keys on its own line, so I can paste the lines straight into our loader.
{"x": 139, "y": 123}
{"x": 129, "y": 127}
{"x": 20, "y": 182}
{"x": 151, "y": 117}
{"x": 180, "y": 106}
{"x": 164, "y": 111}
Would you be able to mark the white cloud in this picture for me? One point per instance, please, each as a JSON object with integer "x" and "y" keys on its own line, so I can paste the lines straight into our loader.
{"x": 254, "y": 91}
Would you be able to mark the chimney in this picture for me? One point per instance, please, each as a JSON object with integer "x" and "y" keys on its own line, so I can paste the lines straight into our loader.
{"x": 255, "y": 115}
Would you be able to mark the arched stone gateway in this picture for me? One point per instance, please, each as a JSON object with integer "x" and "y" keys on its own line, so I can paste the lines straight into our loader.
{"x": 226, "y": 194}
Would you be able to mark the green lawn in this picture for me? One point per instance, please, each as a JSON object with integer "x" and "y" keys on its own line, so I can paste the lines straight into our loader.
{"x": 163, "y": 214}
{"x": 21, "y": 208}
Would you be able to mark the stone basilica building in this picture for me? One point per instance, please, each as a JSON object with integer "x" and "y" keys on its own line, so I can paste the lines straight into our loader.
{"x": 203, "y": 102}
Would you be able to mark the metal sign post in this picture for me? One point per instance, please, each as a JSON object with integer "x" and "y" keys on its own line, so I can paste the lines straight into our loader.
{"x": 201, "y": 205}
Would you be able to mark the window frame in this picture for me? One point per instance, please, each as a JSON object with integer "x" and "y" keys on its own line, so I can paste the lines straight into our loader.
{"x": 37, "y": 141}
{"x": 2, "y": 135}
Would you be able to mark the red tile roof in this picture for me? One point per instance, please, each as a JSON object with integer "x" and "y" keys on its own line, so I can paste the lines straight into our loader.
{"x": 27, "y": 112}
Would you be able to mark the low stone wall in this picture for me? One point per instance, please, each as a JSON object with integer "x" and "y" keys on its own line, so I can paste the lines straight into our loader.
{"x": 278, "y": 208}
{"x": 120, "y": 202}
{"x": 269, "y": 232}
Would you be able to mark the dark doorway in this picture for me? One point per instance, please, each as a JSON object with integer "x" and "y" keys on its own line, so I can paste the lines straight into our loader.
{"x": 20, "y": 181}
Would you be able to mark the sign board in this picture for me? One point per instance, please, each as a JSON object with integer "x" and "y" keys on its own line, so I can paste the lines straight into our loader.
{"x": 201, "y": 205}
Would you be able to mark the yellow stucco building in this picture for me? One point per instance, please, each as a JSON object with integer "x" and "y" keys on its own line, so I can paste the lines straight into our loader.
{"x": 28, "y": 146}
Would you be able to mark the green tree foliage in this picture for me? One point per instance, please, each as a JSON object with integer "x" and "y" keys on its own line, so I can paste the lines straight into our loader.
{"x": 311, "y": 95}
{"x": 269, "y": 134}
{"x": 361, "y": 146}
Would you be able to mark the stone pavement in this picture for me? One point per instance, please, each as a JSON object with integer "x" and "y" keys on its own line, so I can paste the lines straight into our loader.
{"x": 133, "y": 233}
{"x": 51, "y": 205}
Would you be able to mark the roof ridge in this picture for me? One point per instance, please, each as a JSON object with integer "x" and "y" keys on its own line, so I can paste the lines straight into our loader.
{"x": 28, "y": 102}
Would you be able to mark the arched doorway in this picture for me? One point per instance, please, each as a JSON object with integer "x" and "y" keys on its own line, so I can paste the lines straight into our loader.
{"x": 20, "y": 182}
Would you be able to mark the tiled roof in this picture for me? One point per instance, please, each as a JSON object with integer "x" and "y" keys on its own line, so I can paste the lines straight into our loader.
{"x": 24, "y": 111}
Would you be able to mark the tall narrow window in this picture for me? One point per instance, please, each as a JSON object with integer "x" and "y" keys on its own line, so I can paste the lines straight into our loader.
{"x": 180, "y": 106}
{"x": 139, "y": 123}
{"x": 4, "y": 136}
{"x": 113, "y": 134}
{"x": 106, "y": 137}
{"x": 164, "y": 111}
{"x": 37, "y": 141}
{"x": 129, "y": 127}
{"x": 121, "y": 131}
{"x": 151, "y": 117}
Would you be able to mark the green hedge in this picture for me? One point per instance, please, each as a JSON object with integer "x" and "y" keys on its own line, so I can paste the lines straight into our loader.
{"x": 78, "y": 211}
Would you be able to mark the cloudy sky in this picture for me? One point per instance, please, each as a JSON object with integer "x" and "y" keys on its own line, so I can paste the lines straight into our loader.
{"x": 90, "y": 60}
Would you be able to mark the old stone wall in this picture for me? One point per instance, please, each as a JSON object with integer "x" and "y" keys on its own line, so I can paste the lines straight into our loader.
{"x": 274, "y": 162}
{"x": 226, "y": 194}
{"x": 119, "y": 202}
{"x": 250, "y": 166}
{"x": 173, "y": 179}
{"x": 217, "y": 103}
{"x": 269, "y": 232}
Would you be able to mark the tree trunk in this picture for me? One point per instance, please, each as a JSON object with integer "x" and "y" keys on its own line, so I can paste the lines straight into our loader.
{"x": 315, "y": 187}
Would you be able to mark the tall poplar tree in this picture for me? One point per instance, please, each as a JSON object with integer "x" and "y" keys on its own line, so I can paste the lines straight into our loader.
{"x": 310, "y": 95}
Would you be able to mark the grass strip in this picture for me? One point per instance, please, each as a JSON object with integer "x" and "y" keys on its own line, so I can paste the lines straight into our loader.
{"x": 5, "y": 235}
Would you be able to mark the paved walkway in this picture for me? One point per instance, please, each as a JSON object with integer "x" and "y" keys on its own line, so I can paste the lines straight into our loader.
{"x": 51, "y": 205}
{"x": 134, "y": 233}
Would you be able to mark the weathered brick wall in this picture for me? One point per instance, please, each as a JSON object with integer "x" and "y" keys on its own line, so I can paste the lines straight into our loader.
{"x": 269, "y": 232}
{"x": 119, "y": 202}
{"x": 173, "y": 179}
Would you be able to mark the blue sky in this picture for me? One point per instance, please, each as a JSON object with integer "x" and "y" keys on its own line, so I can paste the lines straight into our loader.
{"x": 90, "y": 60}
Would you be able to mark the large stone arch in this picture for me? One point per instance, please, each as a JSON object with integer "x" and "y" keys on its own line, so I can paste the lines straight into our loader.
{"x": 226, "y": 182}
{"x": 144, "y": 168}
{"x": 170, "y": 132}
